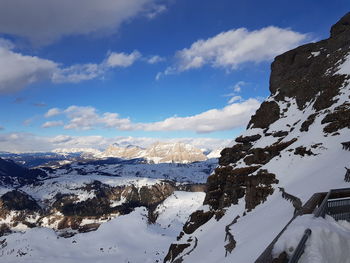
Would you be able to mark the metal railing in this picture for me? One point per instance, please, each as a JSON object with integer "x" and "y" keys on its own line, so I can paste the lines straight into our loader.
{"x": 300, "y": 248}
{"x": 336, "y": 204}
{"x": 339, "y": 209}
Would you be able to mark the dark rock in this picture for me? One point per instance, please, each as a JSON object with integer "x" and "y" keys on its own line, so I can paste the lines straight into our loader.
{"x": 302, "y": 151}
{"x": 248, "y": 139}
{"x": 306, "y": 124}
{"x": 296, "y": 202}
{"x": 280, "y": 134}
{"x": 346, "y": 145}
{"x": 18, "y": 201}
{"x": 341, "y": 27}
{"x": 100, "y": 204}
{"x": 338, "y": 119}
{"x": 301, "y": 75}
{"x": 234, "y": 154}
{"x": 174, "y": 251}
{"x": 230, "y": 246}
{"x": 264, "y": 155}
{"x": 258, "y": 188}
{"x": 4, "y": 230}
{"x": 282, "y": 258}
{"x": 258, "y": 156}
{"x": 226, "y": 186}
{"x": 268, "y": 113}
{"x": 197, "y": 219}
{"x": 88, "y": 227}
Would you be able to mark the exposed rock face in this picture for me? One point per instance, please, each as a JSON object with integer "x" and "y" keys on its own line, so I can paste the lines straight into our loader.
{"x": 309, "y": 88}
{"x": 338, "y": 119}
{"x": 177, "y": 152}
{"x": 268, "y": 113}
{"x": 18, "y": 201}
{"x": 124, "y": 152}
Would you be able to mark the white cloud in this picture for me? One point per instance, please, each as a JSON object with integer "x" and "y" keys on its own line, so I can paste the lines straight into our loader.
{"x": 87, "y": 118}
{"x": 122, "y": 59}
{"x": 230, "y": 117}
{"x": 78, "y": 73}
{"x": 81, "y": 118}
{"x": 44, "y": 21}
{"x": 155, "y": 59}
{"x": 52, "y": 112}
{"x": 238, "y": 86}
{"x": 158, "y": 9}
{"x": 27, "y": 142}
{"x": 234, "y": 99}
{"x": 50, "y": 124}
{"x": 235, "y": 47}
{"x": 18, "y": 71}
{"x": 236, "y": 89}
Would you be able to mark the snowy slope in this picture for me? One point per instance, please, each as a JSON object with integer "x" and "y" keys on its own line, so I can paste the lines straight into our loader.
{"x": 126, "y": 238}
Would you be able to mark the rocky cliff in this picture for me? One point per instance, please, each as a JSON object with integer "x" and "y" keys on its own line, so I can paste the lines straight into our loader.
{"x": 293, "y": 142}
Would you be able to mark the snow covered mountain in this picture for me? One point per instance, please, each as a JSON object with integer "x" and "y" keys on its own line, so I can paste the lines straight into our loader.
{"x": 158, "y": 153}
{"x": 293, "y": 144}
{"x": 84, "y": 202}
{"x": 128, "y": 210}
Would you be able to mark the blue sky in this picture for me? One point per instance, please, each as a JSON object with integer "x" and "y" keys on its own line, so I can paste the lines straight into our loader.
{"x": 143, "y": 68}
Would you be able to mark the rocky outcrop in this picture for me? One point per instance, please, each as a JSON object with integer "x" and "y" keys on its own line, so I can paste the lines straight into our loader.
{"x": 338, "y": 119}
{"x": 307, "y": 75}
{"x": 268, "y": 113}
{"x": 16, "y": 208}
{"x": 305, "y": 80}
{"x": 18, "y": 201}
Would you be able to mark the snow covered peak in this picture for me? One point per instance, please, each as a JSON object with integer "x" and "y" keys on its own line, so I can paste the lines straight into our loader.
{"x": 174, "y": 152}
{"x": 159, "y": 152}
{"x": 64, "y": 151}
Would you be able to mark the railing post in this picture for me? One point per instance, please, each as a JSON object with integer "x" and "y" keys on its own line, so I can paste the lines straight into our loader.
{"x": 301, "y": 246}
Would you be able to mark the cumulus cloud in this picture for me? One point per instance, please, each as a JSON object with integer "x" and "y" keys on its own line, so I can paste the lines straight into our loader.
{"x": 66, "y": 17}
{"x": 27, "y": 142}
{"x": 235, "y": 47}
{"x": 87, "y": 118}
{"x": 232, "y": 116}
{"x": 122, "y": 59}
{"x": 78, "y": 73}
{"x": 52, "y": 112}
{"x": 18, "y": 70}
{"x": 234, "y": 99}
{"x": 155, "y": 59}
{"x": 50, "y": 124}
